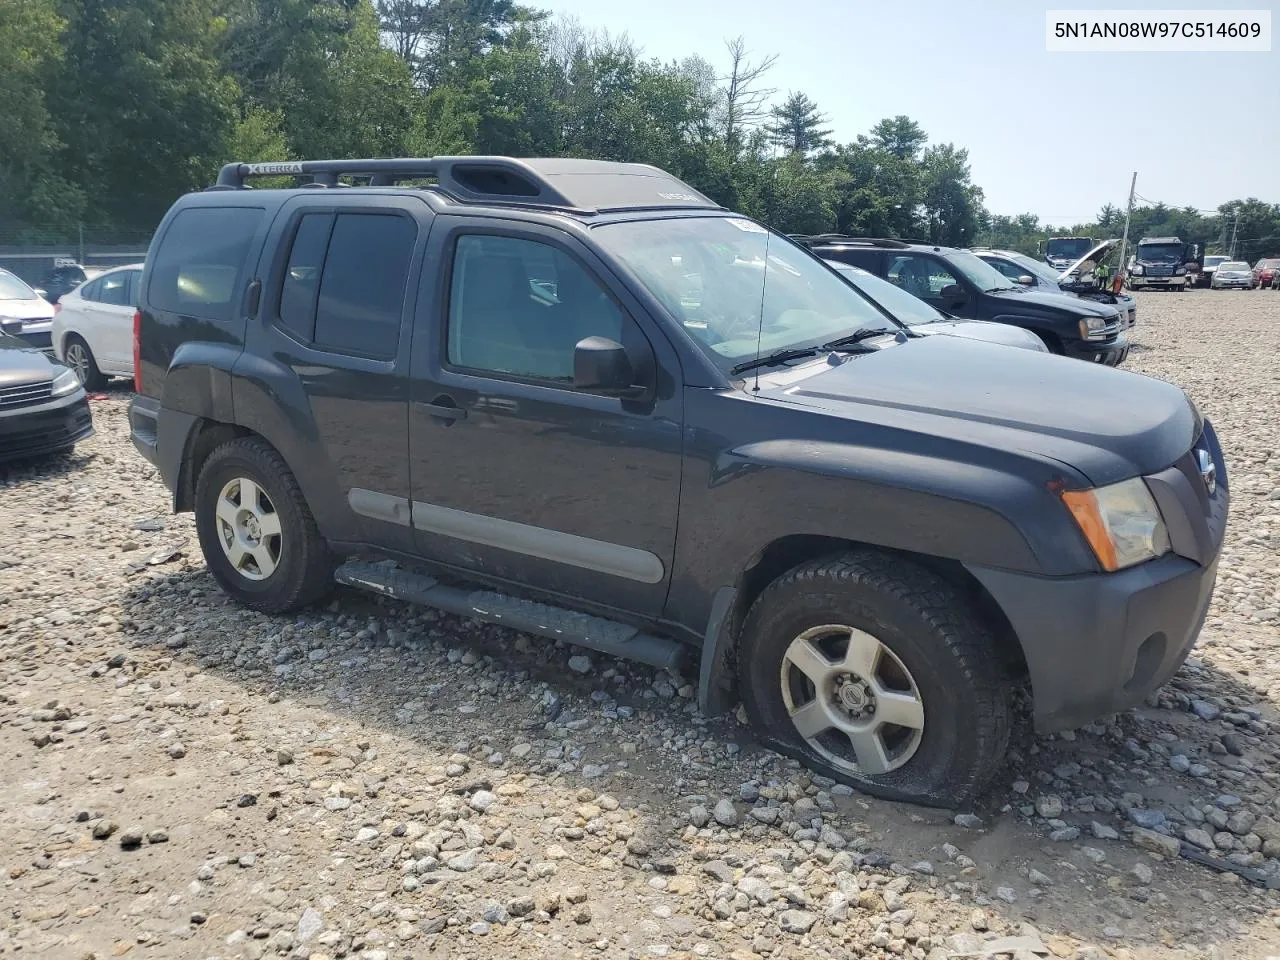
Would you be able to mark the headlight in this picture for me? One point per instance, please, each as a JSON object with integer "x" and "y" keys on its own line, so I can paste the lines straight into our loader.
{"x": 64, "y": 383}
{"x": 1137, "y": 270}
{"x": 1093, "y": 328}
{"x": 1180, "y": 271}
{"x": 1121, "y": 522}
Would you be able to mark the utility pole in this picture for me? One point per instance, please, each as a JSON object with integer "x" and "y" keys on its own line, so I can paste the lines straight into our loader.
{"x": 1124, "y": 241}
{"x": 1235, "y": 229}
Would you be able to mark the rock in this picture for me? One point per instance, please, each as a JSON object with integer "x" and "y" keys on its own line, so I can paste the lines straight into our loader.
{"x": 520, "y": 906}
{"x": 131, "y": 839}
{"x": 1065, "y": 834}
{"x": 310, "y": 924}
{"x": 1101, "y": 831}
{"x": 767, "y": 815}
{"x": 1158, "y": 842}
{"x": 968, "y": 820}
{"x": 1007, "y": 894}
{"x": 1049, "y": 806}
{"x": 1198, "y": 837}
{"x": 978, "y": 920}
{"x": 755, "y": 888}
{"x": 482, "y": 800}
{"x": 580, "y": 664}
{"x": 464, "y": 862}
{"x": 725, "y": 813}
{"x": 1179, "y": 763}
{"x": 366, "y": 835}
{"x": 582, "y": 914}
{"x": 104, "y": 828}
{"x": 157, "y": 836}
{"x": 284, "y": 758}
{"x": 575, "y": 894}
{"x": 1147, "y": 819}
{"x": 1232, "y": 745}
{"x": 699, "y": 816}
{"x": 1205, "y": 710}
{"x": 1241, "y": 822}
{"x": 1039, "y": 879}
{"x": 177, "y": 751}
{"x": 797, "y": 921}
{"x": 836, "y": 906}
{"x": 871, "y": 901}
{"x": 1142, "y": 873}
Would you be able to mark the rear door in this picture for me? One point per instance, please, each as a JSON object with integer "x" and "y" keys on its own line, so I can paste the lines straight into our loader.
{"x": 113, "y": 321}
{"x": 332, "y": 348}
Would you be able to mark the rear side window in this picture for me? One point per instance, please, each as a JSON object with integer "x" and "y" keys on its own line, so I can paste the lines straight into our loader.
{"x": 343, "y": 288}
{"x": 113, "y": 289}
{"x": 199, "y": 259}
{"x": 362, "y": 285}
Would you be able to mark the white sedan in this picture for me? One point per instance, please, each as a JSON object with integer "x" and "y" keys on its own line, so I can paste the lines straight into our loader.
{"x": 1232, "y": 275}
{"x": 23, "y": 312}
{"x": 93, "y": 328}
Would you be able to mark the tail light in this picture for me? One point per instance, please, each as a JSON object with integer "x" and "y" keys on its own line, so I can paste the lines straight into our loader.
{"x": 137, "y": 351}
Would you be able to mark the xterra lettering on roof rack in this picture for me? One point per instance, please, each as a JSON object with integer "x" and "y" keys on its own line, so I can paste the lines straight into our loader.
{"x": 580, "y": 186}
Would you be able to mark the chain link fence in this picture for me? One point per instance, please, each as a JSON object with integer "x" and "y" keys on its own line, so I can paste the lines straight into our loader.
{"x": 32, "y": 252}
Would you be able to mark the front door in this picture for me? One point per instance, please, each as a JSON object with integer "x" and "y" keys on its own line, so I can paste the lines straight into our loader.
{"x": 516, "y": 474}
{"x": 925, "y": 277}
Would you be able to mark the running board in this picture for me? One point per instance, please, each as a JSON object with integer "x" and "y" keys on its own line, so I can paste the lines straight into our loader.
{"x": 582, "y": 629}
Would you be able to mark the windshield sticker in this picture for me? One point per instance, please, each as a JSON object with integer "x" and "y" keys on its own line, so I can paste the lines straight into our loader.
{"x": 746, "y": 226}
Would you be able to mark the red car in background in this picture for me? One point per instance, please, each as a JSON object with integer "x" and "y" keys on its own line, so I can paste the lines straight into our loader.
{"x": 1264, "y": 271}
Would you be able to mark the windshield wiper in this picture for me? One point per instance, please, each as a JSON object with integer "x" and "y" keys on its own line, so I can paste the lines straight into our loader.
{"x": 863, "y": 333}
{"x": 773, "y": 359}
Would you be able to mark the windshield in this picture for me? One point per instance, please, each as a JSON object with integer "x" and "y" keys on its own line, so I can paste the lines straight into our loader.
{"x": 1214, "y": 261}
{"x": 1269, "y": 264}
{"x": 11, "y": 288}
{"x": 908, "y": 309}
{"x": 1233, "y": 266}
{"x": 711, "y": 273}
{"x": 1068, "y": 248}
{"x": 1160, "y": 252}
{"x": 978, "y": 272}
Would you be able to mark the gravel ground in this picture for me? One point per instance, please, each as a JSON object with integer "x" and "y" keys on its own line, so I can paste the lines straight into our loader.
{"x": 187, "y": 779}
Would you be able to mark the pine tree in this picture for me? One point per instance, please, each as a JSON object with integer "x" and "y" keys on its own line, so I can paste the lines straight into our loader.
{"x": 797, "y": 126}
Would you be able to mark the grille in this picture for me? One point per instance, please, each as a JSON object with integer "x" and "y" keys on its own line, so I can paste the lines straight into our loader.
{"x": 25, "y": 395}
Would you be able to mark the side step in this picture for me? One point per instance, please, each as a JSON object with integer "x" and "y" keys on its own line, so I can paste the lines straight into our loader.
{"x": 582, "y": 629}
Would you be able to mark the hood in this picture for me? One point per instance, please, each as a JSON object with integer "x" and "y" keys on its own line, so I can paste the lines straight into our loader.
{"x": 1001, "y": 333}
{"x": 22, "y": 363}
{"x": 1100, "y": 249}
{"x": 37, "y": 309}
{"x": 1108, "y": 424}
{"x": 1059, "y": 302}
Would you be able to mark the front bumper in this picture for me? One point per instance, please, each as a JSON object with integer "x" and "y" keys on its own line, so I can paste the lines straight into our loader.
{"x": 45, "y": 428}
{"x": 1097, "y": 644}
{"x": 1111, "y": 353}
{"x": 1157, "y": 281}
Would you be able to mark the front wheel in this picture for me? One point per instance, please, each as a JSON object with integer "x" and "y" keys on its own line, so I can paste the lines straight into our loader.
{"x": 257, "y": 533}
{"x": 872, "y": 670}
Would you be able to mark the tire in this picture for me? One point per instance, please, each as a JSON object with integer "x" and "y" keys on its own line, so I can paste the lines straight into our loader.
{"x": 84, "y": 364}
{"x": 938, "y": 651}
{"x": 290, "y": 565}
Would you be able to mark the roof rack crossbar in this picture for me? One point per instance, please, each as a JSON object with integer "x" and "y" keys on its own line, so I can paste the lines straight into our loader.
{"x": 466, "y": 178}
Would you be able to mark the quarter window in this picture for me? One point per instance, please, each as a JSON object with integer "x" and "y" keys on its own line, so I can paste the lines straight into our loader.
{"x": 200, "y": 257}
{"x": 113, "y": 289}
{"x": 301, "y": 284}
{"x": 519, "y": 307}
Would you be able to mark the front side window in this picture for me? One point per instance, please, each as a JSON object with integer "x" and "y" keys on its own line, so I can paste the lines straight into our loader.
{"x": 736, "y": 288}
{"x": 920, "y": 276}
{"x": 519, "y": 307}
{"x": 200, "y": 257}
{"x": 1011, "y": 270}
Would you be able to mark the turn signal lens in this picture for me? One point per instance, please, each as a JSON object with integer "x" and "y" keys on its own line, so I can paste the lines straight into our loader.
{"x": 1121, "y": 522}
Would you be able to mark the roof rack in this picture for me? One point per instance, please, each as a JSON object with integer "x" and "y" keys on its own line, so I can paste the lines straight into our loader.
{"x": 842, "y": 238}
{"x": 580, "y": 186}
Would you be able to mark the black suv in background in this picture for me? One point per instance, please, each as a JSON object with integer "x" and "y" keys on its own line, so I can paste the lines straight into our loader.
{"x": 959, "y": 283}
{"x": 579, "y": 399}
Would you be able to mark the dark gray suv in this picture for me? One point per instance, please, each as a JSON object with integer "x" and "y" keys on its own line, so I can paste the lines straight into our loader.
{"x": 582, "y": 400}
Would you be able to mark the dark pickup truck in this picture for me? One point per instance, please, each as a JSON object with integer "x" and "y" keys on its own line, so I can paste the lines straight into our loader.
{"x": 959, "y": 283}
{"x": 582, "y": 400}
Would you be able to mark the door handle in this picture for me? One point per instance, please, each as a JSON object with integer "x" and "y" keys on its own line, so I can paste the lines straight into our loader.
{"x": 444, "y": 410}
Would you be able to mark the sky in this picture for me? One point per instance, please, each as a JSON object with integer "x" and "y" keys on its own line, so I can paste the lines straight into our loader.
{"x": 1055, "y": 134}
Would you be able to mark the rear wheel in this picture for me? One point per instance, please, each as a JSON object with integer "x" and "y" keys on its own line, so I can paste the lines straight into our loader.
{"x": 873, "y": 671}
{"x": 80, "y": 359}
{"x": 257, "y": 533}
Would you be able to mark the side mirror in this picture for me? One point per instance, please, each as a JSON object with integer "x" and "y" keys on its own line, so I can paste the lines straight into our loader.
{"x": 601, "y": 365}
{"x": 1026, "y": 280}
{"x": 952, "y": 293}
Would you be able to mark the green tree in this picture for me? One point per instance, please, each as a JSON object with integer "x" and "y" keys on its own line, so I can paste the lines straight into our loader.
{"x": 140, "y": 105}
{"x": 952, "y": 204}
{"x": 797, "y": 125}
{"x": 31, "y": 192}
{"x": 900, "y": 136}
